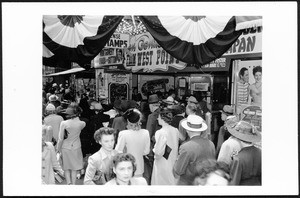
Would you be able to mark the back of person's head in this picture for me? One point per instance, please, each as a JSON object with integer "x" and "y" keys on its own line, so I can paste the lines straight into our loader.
{"x": 166, "y": 114}
{"x": 211, "y": 172}
{"x": 133, "y": 117}
{"x": 191, "y": 109}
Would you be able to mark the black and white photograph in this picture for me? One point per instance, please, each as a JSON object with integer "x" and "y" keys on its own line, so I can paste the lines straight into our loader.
{"x": 167, "y": 97}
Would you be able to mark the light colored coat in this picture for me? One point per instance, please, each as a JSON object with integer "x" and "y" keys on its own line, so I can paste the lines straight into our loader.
{"x": 98, "y": 162}
{"x": 49, "y": 162}
{"x": 136, "y": 143}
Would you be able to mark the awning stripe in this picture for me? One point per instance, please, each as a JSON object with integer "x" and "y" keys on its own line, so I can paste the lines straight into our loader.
{"x": 189, "y": 52}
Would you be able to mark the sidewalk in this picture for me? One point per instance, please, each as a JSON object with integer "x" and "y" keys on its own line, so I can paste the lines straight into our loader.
{"x": 78, "y": 181}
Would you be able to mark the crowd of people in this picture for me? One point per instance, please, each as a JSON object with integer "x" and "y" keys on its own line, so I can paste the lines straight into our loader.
{"x": 159, "y": 141}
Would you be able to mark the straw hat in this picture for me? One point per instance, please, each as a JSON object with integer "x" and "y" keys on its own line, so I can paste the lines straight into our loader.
{"x": 53, "y": 98}
{"x": 194, "y": 123}
{"x": 50, "y": 107}
{"x": 227, "y": 109}
{"x": 244, "y": 131}
{"x": 170, "y": 100}
{"x": 192, "y": 99}
{"x": 96, "y": 106}
{"x": 153, "y": 99}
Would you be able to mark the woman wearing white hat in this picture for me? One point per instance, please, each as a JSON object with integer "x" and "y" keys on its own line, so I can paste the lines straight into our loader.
{"x": 195, "y": 150}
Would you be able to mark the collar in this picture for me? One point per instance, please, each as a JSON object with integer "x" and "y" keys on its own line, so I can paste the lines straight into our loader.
{"x": 104, "y": 154}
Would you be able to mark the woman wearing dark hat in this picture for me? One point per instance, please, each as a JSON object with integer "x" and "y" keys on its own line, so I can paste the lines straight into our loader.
{"x": 246, "y": 165}
{"x": 95, "y": 123}
{"x": 99, "y": 164}
{"x": 69, "y": 144}
{"x": 165, "y": 150}
{"x": 119, "y": 122}
{"x": 134, "y": 140}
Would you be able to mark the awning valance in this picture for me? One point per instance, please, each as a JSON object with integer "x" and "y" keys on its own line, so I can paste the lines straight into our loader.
{"x": 70, "y": 71}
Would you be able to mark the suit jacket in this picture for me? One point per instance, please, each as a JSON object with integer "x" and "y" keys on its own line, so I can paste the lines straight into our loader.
{"x": 98, "y": 163}
{"x": 152, "y": 123}
{"x": 246, "y": 167}
{"x": 192, "y": 152}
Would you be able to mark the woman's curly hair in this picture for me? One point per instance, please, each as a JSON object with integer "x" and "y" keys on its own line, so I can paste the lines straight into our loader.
{"x": 166, "y": 114}
{"x": 121, "y": 157}
{"x": 103, "y": 131}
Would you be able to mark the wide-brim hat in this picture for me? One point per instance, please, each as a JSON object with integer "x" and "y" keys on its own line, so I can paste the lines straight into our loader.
{"x": 192, "y": 99}
{"x": 96, "y": 106}
{"x": 102, "y": 97}
{"x": 227, "y": 109}
{"x": 169, "y": 101}
{"x": 53, "y": 98}
{"x": 70, "y": 111}
{"x": 194, "y": 123}
{"x": 50, "y": 107}
{"x": 244, "y": 131}
{"x": 117, "y": 104}
{"x": 178, "y": 109}
{"x": 153, "y": 99}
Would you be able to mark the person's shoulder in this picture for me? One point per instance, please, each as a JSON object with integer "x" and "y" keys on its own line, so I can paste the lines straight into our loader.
{"x": 111, "y": 182}
{"x": 139, "y": 181}
{"x": 123, "y": 132}
{"x": 50, "y": 146}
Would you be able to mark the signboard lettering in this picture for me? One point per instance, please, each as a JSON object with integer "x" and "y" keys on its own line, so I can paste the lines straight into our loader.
{"x": 145, "y": 53}
{"x": 248, "y": 42}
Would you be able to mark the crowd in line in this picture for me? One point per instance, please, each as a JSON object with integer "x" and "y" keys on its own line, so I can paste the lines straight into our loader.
{"x": 161, "y": 141}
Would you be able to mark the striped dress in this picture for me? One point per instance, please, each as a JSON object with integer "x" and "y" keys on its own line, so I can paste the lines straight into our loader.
{"x": 242, "y": 93}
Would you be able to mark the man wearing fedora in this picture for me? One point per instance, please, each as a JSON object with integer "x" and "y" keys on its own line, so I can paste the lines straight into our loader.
{"x": 152, "y": 126}
{"x": 192, "y": 152}
{"x": 246, "y": 165}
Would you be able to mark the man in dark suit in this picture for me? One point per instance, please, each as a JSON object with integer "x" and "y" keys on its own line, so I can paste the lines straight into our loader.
{"x": 194, "y": 151}
{"x": 152, "y": 126}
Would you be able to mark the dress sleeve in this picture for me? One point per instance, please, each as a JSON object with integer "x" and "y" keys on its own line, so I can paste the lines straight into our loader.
{"x": 90, "y": 172}
{"x": 60, "y": 136}
{"x": 182, "y": 132}
{"x": 49, "y": 133}
{"x": 225, "y": 153}
{"x": 151, "y": 125}
{"x": 121, "y": 142}
{"x": 160, "y": 144}
{"x": 147, "y": 145}
{"x": 55, "y": 164}
{"x": 181, "y": 162}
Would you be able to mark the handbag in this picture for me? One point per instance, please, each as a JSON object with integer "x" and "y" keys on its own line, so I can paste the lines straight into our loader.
{"x": 66, "y": 133}
{"x": 59, "y": 178}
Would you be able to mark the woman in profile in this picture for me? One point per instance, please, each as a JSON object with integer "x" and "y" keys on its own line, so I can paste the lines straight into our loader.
{"x": 165, "y": 150}
{"x": 98, "y": 170}
{"x": 255, "y": 88}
